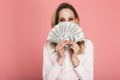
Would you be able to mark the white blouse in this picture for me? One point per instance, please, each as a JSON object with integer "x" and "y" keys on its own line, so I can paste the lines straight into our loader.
{"x": 52, "y": 71}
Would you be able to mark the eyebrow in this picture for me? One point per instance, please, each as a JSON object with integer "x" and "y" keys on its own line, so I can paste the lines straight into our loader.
{"x": 70, "y": 17}
{"x": 61, "y": 17}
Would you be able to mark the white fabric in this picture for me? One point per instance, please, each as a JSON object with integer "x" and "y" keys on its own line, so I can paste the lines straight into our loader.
{"x": 52, "y": 71}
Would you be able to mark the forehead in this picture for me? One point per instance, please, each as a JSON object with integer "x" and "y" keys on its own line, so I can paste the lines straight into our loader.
{"x": 66, "y": 13}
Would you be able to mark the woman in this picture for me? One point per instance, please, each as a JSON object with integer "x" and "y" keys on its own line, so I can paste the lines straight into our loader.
{"x": 57, "y": 64}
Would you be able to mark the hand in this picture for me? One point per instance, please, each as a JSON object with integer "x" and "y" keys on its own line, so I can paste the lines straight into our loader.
{"x": 74, "y": 48}
{"x": 60, "y": 48}
{"x": 60, "y": 51}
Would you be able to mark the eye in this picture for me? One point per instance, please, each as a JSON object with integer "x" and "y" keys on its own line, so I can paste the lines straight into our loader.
{"x": 71, "y": 19}
{"x": 62, "y": 20}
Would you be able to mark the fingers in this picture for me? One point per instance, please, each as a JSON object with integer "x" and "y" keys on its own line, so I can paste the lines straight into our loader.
{"x": 60, "y": 48}
{"x": 74, "y": 46}
{"x": 61, "y": 44}
{"x": 60, "y": 52}
{"x": 71, "y": 42}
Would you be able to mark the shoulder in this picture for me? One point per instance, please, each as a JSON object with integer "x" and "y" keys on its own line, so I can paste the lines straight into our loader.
{"x": 89, "y": 43}
{"x": 48, "y": 47}
{"x": 47, "y": 44}
{"x": 89, "y": 48}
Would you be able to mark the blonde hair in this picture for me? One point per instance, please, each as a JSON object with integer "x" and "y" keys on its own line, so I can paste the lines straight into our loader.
{"x": 55, "y": 18}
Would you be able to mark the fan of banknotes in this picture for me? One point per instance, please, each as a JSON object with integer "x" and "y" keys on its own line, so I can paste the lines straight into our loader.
{"x": 66, "y": 31}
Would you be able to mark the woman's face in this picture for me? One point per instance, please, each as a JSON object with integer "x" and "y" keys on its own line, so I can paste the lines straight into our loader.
{"x": 66, "y": 15}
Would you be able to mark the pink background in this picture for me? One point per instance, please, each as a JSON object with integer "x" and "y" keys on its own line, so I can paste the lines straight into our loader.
{"x": 24, "y": 25}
